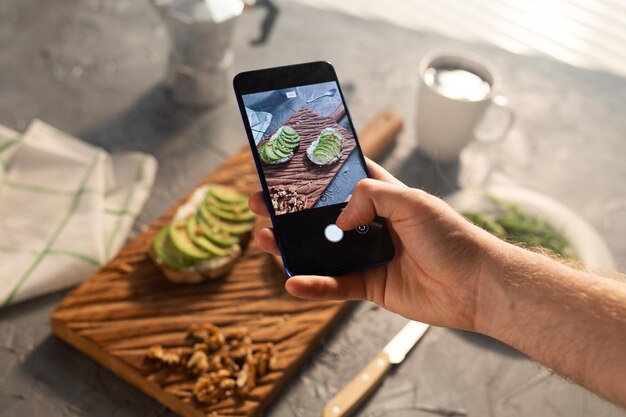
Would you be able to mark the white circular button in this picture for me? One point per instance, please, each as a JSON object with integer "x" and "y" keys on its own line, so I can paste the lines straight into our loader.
{"x": 333, "y": 233}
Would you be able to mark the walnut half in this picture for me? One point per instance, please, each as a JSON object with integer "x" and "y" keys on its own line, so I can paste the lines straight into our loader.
{"x": 168, "y": 357}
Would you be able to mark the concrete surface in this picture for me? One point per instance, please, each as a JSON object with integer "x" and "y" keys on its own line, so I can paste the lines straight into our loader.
{"x": 93, "y": 68}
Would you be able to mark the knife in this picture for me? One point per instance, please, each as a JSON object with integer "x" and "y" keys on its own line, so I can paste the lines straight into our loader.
{"x": 353, "y": 394}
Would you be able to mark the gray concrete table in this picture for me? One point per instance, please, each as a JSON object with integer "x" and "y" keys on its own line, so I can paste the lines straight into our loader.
{"x": 92, "y": 68}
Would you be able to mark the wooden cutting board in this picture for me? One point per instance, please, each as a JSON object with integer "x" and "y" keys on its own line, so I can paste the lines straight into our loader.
{"x": 128, "y": 305}
{"x": 300, "y": 174}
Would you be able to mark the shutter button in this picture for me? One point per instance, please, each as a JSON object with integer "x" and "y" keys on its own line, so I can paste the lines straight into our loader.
{"x": 333, "y": 233}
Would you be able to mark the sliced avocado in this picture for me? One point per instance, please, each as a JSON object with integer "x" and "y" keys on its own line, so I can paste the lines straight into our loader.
{"x": 288, "y": 131}
{"x": 196, "y": 234}
{"x": 331, "y": 146}
{"x": 331, "y": 140}
{"x": 238, "y": 207}
{"x": 236, "y": 211}
{"x": 269, "y": 152}
{"x": 244, "y": 216}
{"x": 262, "y": 154}
{"x": 331, "y": 136}
{"x": 279, "y": 143}
{"x": 228, "y": 195}
{"x": 165, "y": 251}
{"x": 321, "y": 155}
{"x": 183, "y": 243}
{"x": 232, "y": 228}
{"x": 289, "y": 140}
{"x": 327, "y": 147}
{"x": 279, "y": 151}
{"x": 215, "y": 234}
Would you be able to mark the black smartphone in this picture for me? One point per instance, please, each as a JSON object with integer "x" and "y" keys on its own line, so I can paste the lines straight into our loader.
{"x": 309, "y": 160}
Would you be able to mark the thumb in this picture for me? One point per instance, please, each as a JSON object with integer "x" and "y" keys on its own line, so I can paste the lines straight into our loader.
{"x": 371, "y": 198}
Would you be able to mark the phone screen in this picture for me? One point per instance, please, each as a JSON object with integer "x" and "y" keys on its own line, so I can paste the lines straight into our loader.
{"x": 309, "y": 161}
{"x": 306, "y": 146}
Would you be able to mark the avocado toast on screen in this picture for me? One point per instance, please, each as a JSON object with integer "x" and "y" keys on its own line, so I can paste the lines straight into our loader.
{"x": 326, "y": 149}
{"x": 281, "y": 147}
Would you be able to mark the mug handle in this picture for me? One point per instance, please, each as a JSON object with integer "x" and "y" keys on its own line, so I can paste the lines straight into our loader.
{"x": 503, "y": 104}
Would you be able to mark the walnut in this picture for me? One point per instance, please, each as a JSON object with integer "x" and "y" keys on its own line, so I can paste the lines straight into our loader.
{"x": 287, "y": 201}
{"x": 246, "y": 380}
{"x": 265, "y": 359}
{"x": 227, "y": 364}
{"x": 168, "y": 357}
{"x": 208, "y": 334}
{"x": 213, "y": 387}
{"x": 198, "y": 362}
{"x": 201, "y": 347}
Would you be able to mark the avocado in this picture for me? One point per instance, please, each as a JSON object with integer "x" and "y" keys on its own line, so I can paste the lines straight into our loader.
{"x": 331, "y": 141}
{"x": 196, "y": 235}
{"x": 289, "y": 141}
{"x": 262, "y": 153}
{"x": 165, "y": 251}
{"x": 269, "y": 152}
{"x": 288, "y": 135}
{"x": 231, "y": 228}
{"x": 233, "y": 208}
{"x": 330, "y": 137}
{"x": 228, "y": 195}
{"x": 215, "y": 234}
{"x": 245, "y": 216}
{"x": 278, "y": 145}
{"x": 279, "y": 151}
{"x": 328, "y": 148}
{"x": 182, "y": 242}
{"x": 323, "y": 153}
{"x": 324, "y": 136}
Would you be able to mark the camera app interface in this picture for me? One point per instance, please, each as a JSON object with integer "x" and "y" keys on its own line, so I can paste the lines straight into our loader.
{"x": 306, "y": 146}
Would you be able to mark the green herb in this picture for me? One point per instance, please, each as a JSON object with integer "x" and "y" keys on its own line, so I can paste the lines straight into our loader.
{"x": 512, "y": 224}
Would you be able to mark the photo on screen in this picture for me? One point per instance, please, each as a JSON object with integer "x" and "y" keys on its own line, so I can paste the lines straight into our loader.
{"x": 306, "y": 146}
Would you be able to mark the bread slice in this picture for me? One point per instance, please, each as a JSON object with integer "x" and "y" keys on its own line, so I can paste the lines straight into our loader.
{"x": 201, "y": 270}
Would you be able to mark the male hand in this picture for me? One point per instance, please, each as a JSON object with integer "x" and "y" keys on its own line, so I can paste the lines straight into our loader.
{"x": 435, "y": 274}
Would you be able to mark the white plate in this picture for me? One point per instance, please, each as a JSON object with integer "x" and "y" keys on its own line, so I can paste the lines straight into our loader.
{"x": 585, "y": 241}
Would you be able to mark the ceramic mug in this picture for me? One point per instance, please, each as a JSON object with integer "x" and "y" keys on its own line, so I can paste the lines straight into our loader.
{"x": 445, "y": 124}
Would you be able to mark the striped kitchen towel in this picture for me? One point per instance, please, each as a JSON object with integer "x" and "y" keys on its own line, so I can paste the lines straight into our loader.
{"x": 66, "y": 207}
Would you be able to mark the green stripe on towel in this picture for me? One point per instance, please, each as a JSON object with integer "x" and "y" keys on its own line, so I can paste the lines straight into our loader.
{"x": 74, "y": 206}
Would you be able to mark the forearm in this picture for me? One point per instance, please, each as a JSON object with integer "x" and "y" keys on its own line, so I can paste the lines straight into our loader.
{"x": 568, "y": 320}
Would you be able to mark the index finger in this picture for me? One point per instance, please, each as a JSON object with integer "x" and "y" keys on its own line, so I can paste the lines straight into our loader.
{"x": 379, "y": 173}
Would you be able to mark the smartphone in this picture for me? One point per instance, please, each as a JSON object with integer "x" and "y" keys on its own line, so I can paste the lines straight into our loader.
{"x": 309, "y": 160}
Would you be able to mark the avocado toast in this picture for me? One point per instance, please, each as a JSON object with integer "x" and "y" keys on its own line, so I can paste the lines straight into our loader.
{"x": 206, "y": 236}
{"x": 281, "y": 147}
{"x": 326, "y": 149}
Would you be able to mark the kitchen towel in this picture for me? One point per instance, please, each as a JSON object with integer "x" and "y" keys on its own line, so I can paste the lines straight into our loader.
{"x": 66, "y": 207}
{"x": 259, "y": 122}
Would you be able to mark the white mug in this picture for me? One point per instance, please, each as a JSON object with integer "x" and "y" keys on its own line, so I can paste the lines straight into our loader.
{"x": 444, "y": 124}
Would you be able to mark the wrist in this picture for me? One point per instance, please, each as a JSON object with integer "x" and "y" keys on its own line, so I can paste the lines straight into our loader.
{"x": 491, "y": 304}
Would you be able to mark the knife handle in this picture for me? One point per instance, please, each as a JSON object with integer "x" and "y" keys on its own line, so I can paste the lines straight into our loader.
{"x": 351, "y": 396}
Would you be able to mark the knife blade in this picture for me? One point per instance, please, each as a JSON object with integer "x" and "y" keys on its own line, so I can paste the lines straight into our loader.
{"x": 353, "y": 394}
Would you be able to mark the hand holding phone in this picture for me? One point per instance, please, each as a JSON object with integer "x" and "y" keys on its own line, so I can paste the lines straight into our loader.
{"x": 309, "y": 161}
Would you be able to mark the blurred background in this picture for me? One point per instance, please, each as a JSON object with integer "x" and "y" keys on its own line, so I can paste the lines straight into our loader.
{"x": 101, "y": 70}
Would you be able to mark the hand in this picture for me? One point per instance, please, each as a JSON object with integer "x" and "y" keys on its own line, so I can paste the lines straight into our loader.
{"x": 435, "y": 275}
